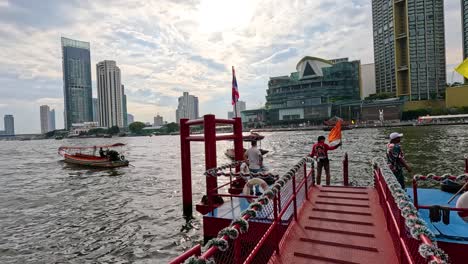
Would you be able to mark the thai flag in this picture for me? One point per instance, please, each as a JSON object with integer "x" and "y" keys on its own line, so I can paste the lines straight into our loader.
{"x": 235, "y": 91}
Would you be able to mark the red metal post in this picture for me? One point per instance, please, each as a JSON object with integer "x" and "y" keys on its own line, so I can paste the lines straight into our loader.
{"x": 210, "y": 155}
{"x": 238, "y": 145}
{"x": 237, "y": 251}
{"x": 275, "y": 214}
{"x": 466, "y": 164}
{"x": 306, "y": 185}
{"x": 415, "y": 193}
{"x": 345, "y": 170}
{"x": 294, "y": 196}
{"x": 195, "y": 251}
{"x": 186, "y": 168}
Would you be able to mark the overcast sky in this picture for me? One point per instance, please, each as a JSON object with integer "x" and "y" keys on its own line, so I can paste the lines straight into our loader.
{"x": 165, "y": 47}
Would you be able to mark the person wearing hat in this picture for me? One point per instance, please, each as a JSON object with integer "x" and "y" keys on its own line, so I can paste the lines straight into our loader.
{"x": 396, "y": 159}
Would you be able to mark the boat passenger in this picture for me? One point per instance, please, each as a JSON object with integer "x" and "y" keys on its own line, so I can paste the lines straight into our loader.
{"x": 396, "y": 159}
{"x": 254, "y": 159}
{"x": 320, "y": 153}
{"x": 101, "y": 153}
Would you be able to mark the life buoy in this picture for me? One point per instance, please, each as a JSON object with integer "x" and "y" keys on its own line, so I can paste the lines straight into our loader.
{"x": 251, "y": 183}
{"x": 122, "y": 157}
{"x": 462, "y": 202}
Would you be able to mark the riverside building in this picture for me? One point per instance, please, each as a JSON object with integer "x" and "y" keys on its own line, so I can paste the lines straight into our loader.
{"x": 409, "y": 48}
{"x": 187, "y": 107}
{"x": 110, "y": 94}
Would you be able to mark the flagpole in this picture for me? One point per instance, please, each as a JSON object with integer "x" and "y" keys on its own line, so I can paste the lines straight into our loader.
{"x": 235, "y": 109}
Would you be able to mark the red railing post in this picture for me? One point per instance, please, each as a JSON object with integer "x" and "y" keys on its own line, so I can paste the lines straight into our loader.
{"x": 415, "y": 193}
{"x": 275, "y": 215}
{"x": 466, "y": 163}
{"x": 306, "y": 184}
{"x": 186, "y": 168}
{"x": 279, "y": 200}
{"x": 237, "y": 251}
{"x": 210, "y": 156}
{"x": 345, "y": 170}
{"x": 238, "y": 141}
{"x": 294, "y": 195}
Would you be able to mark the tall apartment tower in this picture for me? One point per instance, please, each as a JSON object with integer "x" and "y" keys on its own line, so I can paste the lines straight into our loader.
{"x": 110, "y": 94}
{"x": 52, "y": 120}
{"x": 409, "y": 48}
{"x": 45, "y": 116}
{"x": 125, "y": 119}
{"x": 95, "y": 110}
{"x": 187, "y": 107}
{"x": 240, "y": 106}
{"x": 77, "y": 90}
{"x": 9, "y": 124}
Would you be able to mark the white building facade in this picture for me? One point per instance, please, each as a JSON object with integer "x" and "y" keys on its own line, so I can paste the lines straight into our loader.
{"x": 158, "y": 121}
{"x": 187, "y": 107}
{"x": 47, "y": 119}
{"x": 367, "y": 80}
{"x": 110, "y": 94}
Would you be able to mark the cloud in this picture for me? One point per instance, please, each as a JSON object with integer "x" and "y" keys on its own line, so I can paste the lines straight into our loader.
{"x": 166, "y": 47}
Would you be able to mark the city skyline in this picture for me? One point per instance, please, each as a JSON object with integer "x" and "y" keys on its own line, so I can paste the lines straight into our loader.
{"x": 191, "y": 49}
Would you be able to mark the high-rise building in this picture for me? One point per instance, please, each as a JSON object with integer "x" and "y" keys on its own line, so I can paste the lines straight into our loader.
{"x": 230, "y": 114}
{"x": 464, "y": 21}
{"x": 95, "y": 110}
{"x": 45, "y": 115}
{"x": 110, "y": 95}
{"x": 52, "y": 120}
{"x": 409, "y": 48}
{"x": 367, "y": 80}
{"x": 9, "y": 122}
{"x": 125, "y": 121}
{"x": 47, "y": 119}
{"x": 240, "y": 106}
{"x": 158, "y": 120}
{"x": 187, "y": 108}
{"x": 130, "y": 118}
{"x": 77, "y": 90}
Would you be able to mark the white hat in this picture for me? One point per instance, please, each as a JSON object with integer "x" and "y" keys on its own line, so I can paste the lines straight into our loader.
{"x": 395, "y": 135}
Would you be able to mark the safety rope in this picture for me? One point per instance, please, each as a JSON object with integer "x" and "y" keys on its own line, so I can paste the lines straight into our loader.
{"x": 241, "y": 224}
{"x": 413, "y": 222}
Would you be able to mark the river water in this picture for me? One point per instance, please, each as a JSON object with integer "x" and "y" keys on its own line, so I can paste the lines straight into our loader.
{"x": 51, "y": 212}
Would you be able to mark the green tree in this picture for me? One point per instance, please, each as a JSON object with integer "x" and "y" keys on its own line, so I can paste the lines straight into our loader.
{"x": 136, "y": 127}
{"x": 97, "y": 131}
{"x": 171, "y": 127}
{"x": 114, "y": 130}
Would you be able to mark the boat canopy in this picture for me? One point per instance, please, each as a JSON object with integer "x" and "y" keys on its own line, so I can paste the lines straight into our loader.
{"x": 63, "y": 148}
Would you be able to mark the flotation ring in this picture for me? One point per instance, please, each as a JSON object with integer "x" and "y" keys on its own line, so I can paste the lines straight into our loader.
{"x": 251, "y": 183}
{"x": 463, "y": 203}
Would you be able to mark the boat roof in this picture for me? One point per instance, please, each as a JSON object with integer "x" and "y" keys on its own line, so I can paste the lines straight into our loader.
{"x": 92, "y": 147}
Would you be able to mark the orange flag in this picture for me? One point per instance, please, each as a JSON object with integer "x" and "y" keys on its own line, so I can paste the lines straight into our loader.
{"x": 335, "y": 133}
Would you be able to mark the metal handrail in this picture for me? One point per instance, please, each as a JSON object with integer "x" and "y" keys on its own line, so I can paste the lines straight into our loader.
{"x": 381, "y": 179}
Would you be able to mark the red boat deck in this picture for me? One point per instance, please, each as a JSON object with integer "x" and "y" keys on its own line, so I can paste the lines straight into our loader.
{"x": 342, "y": 225}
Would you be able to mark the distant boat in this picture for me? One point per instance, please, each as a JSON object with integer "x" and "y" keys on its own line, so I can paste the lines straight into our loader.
{"x": 107, "y": 136}
{"x": 112, "y": 158}
{"x": 58, "y": 138}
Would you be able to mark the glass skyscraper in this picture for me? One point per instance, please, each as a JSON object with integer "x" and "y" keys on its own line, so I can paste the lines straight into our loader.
{"x": 77, "y": 89}
{"x": 464, "y": 9}
{"x": 409, "y": 48}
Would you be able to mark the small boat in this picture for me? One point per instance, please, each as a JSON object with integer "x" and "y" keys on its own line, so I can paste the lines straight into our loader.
{"x": 329, "y": 124}
{"x": 111, "y": 158}
{"x": 58, "y": 138}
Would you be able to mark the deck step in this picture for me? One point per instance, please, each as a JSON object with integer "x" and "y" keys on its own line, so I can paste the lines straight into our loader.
{"x": 344, "y": 232}
{"x": 341, "y": 221}
{"x": 343, "y": 212}
{"x": 335, "y": 244}
{"x": 340, "y": 225}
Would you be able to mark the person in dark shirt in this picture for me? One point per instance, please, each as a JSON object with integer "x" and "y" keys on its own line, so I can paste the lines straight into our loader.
{"x": 102, "y": 153}
{"x": 396, "y": 159}
{"x": 320, "y": 153}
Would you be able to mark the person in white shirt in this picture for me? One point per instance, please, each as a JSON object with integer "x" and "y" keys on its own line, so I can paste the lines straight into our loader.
{"x": 254, "y": 156}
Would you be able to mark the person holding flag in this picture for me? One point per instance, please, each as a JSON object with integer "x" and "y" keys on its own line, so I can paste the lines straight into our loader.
{"x": 320, "y": 152}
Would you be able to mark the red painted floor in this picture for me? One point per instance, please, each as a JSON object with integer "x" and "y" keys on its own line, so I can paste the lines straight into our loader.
{"x": 343, "y": 225}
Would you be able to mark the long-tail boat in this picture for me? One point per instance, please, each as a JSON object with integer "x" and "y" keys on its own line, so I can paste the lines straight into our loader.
{"x": 86, "y": 156}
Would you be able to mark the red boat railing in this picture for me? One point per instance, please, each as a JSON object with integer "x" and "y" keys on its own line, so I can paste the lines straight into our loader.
{"x": 461, "y": 178}
{"x": 287, "y": 194}
{"x": 413, "y": 241}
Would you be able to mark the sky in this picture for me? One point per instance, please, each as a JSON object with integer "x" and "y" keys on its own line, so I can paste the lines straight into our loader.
{"x": 166, "y": 47}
